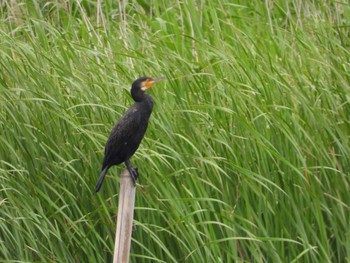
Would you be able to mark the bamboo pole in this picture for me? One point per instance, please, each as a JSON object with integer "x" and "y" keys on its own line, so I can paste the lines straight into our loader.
{"x": 125, "y": 218}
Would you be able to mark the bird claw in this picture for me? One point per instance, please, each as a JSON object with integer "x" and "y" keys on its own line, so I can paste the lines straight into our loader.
{"x": 134, "y": 174}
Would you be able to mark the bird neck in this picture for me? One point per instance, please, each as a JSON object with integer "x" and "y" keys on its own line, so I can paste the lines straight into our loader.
{"x": 140, "y": 97}
{"x": 146, "y": 104}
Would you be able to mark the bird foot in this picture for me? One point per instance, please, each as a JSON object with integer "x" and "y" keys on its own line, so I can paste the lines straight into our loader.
{"x": 134, "y": 174}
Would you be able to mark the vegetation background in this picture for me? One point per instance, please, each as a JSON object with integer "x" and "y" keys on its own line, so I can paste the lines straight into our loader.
{"x": 246, "y": 158}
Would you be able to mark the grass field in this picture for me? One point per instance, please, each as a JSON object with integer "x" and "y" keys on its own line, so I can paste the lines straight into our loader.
{"x": 246, "y": 158}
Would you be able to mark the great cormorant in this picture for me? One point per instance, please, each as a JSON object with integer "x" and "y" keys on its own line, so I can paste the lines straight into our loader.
{"x": 127, "y": 134}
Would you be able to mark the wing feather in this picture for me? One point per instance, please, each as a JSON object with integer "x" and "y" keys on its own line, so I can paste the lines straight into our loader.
{"x": 121, "y": 142}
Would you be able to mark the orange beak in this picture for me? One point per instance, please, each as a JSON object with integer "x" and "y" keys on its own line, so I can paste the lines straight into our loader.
{"x": 151, "y": 82}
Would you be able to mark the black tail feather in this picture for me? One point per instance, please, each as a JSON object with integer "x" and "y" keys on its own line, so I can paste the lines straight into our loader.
{"x": 100, "y": 180}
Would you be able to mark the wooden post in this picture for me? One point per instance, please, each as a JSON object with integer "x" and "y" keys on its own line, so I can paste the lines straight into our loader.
{"x": 125, "y": 218}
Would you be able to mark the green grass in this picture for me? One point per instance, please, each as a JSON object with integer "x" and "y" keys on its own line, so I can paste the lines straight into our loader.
{"x": 246, "y": 158}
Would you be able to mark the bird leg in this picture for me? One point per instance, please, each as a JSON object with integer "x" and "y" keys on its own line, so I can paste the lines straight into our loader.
{"x": 133, "y": 171}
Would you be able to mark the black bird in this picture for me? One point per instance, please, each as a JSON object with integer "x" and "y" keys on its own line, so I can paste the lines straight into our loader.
{"x": 127, "y": 134}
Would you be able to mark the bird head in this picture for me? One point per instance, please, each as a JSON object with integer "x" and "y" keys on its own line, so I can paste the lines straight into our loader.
{"x": 140, "y": 85}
